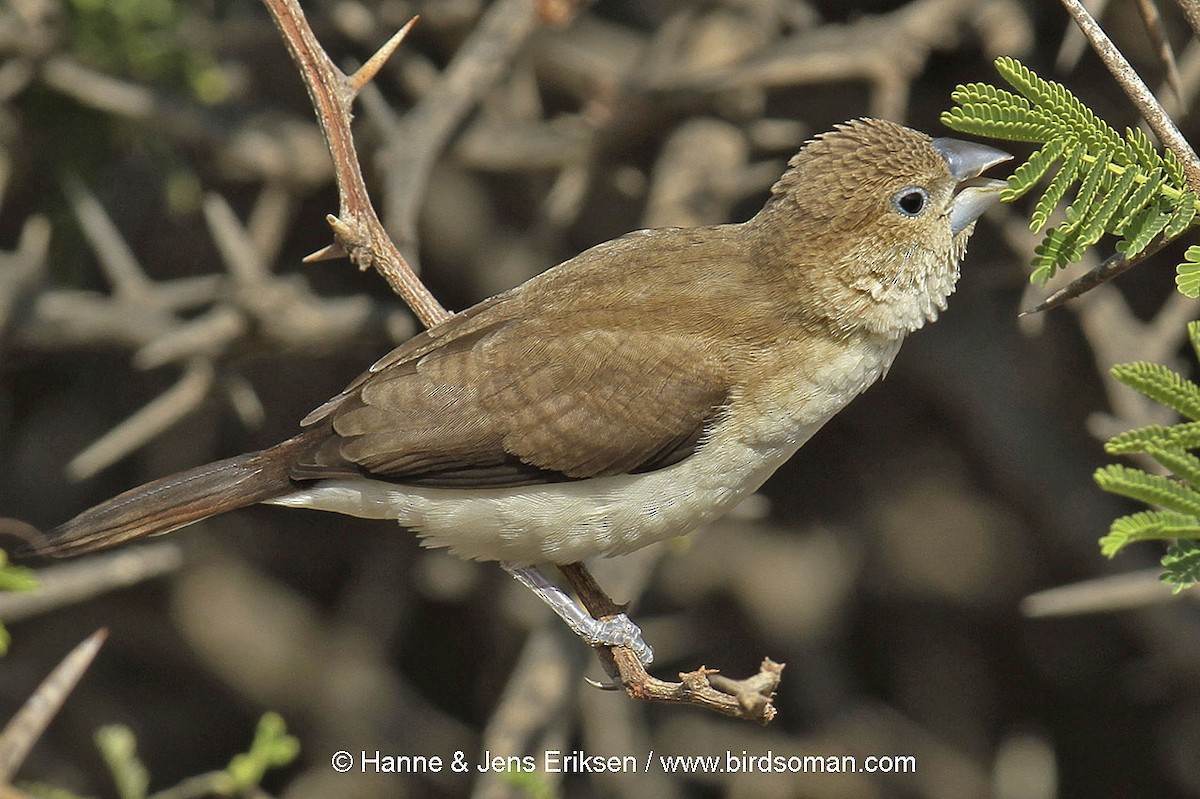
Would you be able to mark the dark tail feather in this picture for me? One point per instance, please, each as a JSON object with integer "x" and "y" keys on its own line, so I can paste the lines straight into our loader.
{"x": 173, "y": 502}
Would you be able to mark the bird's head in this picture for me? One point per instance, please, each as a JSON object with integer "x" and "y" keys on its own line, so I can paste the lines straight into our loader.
{"x": 871, "y": 220}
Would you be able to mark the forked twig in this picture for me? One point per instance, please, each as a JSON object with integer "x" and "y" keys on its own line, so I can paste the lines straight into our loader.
{"x": 751, "y": 698}
{"x": 356, "y": 229}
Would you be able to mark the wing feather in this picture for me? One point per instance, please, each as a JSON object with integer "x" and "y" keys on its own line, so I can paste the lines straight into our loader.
{"x": 519, "y": 406}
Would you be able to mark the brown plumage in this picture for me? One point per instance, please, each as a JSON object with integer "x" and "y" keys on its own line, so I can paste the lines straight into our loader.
{"x": 632, "y": 392}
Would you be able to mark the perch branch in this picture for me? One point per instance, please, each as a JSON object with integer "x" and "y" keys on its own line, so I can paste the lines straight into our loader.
{"x": 751, "y": 698}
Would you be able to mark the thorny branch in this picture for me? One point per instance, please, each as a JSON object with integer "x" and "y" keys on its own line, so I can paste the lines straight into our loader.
{"x": 357, "y": 230}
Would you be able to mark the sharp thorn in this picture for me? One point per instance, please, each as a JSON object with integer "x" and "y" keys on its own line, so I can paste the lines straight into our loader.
{"x": 1113, "y": 265}
{"x": 328, "y": 253}
{"x": 364, "y": 74}
{"x": 340, "y": 228}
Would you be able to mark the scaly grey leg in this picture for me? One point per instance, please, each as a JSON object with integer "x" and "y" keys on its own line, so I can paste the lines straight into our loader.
{"x": 617, "y": 631}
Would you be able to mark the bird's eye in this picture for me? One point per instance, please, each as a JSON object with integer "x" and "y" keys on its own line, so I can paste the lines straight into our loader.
{"x": 910, "y": 201}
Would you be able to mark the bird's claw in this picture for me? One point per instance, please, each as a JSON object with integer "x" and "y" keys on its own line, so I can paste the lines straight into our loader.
{"x": 620, "y": 630}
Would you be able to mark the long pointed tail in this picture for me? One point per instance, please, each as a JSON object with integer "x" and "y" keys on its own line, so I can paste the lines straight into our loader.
{"x": 173, "y": 502}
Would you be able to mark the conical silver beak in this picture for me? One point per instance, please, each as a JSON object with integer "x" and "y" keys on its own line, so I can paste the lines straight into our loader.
{"x": 967, "y": 161}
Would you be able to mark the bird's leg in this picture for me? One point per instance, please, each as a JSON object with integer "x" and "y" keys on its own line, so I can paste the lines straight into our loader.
{"x": 616, "y": 631}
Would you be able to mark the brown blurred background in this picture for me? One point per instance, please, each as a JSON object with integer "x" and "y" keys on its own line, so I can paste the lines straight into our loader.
{"x": 162, "y": 176}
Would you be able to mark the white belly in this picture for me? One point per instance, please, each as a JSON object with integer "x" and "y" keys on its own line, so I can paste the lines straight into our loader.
{"x": 567, "y": 522}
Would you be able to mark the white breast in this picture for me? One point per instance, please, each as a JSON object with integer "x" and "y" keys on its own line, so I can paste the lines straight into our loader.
{"x": 567, "y": 522}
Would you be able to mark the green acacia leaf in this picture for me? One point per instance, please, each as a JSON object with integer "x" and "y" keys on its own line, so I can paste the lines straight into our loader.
{"x": 1187, "y": 279}
{"x": 1089, "y": 188}
{"x": 1147, "y": 525}
{"x": 1182, "y": 436}
{"x": 1174, "y": 170}
{"x": 1153, "y": 489}
{"x": 1073, "y": 118}
{"x": 1126, "y": 186}
{"x": 1066, "y": 175}
{"x": 1060, "y": 247}
{"x": 986, "y": 120}
{"x": 1101, "y": 212}
{"x": 1141, "y": 151}
{"x": 1181, "y": 218}
{"x": 1162, "y": 385}
{"x": 1178, "y": 461}
{"x": 1141, "y": 195}
{"x": 1026, "y": 176}
{"x": 985, "y": 94}
{"x": 1142, "y": 229}
{"x": 1182, "y": 565}
{"x": 1025, "y": 81}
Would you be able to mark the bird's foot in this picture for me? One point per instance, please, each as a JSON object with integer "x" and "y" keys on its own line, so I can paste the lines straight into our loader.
{"x": 618, "y": 630}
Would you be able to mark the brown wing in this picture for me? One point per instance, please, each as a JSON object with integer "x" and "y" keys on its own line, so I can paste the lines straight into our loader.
{"x": 512, "y": 403}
